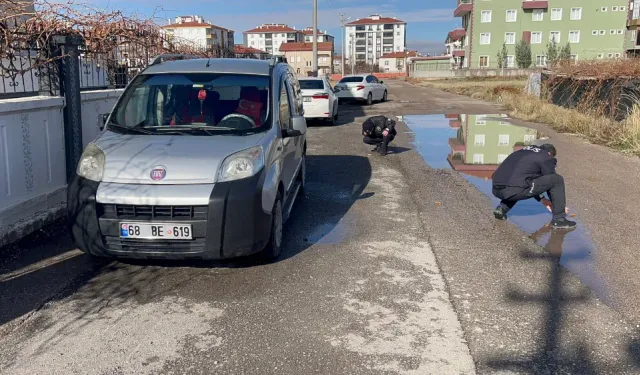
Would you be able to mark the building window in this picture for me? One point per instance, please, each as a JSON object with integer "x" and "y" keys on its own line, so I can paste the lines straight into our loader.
{"x": 511, "y": 61}
{"x": 554, "y": 36}
{"x": 612, "y": 32}
{"x": 614, "y": 9}
{"x": 484, "y": 62}
{"x": 386, "y": 63}
{"x": 502, "y": 157}
{"x": 574, "y": 36}
{"x": 481, "y": 119}
{"x": 610, "y": 55}
{"x": 556, "y": 14}
{"x": 503, "y": 140}
{"x": 485, "y": 38}
{"x": 485, "y": 16}
{"x": 536, "y": 37}
{"x": 537, "y": 15}
{"x": 479, "y": 140}
{"x": 620, "y": 31}
{"x": 541, "y": 60}
{"x": 576, "y": 14}
{"x": 617, "y": 55}
{"x": 603, "y": 32}
{"x": 622, "y": 8}
{"x": 603, "y": 9}
{"x": 298, "y": 58}
{"x": 478, "y": 158}
{"x": 510, "y": 38}
{"x": 594, "y": 32}
{"x": 512, "y": 15}
{"x": 600, "y": 56}
{"x": 529, "y": 139}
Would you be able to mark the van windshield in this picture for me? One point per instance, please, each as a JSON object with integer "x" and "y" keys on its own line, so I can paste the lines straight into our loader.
{"x": 193, "y": 104}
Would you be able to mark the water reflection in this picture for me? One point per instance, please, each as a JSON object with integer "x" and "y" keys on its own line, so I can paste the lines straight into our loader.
{"x": 475, "y": 145}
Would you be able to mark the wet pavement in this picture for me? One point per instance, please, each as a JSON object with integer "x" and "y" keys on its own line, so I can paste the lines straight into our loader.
{"x": 441, "y": 141}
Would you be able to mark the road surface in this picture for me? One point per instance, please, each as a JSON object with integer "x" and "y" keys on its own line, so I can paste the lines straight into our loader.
{"x": 390, "y": 267}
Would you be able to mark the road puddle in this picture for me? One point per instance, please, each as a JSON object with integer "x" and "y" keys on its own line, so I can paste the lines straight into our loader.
{"x": 474, "y": 146}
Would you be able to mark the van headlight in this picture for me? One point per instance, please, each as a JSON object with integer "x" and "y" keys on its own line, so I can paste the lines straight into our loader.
{"x": 91, "y": 164}
{"x": 242, "y": 164}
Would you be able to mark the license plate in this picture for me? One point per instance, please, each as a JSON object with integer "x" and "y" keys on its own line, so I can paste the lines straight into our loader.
{"x": 307, "y": 98}
{"x": 156, "y": 231}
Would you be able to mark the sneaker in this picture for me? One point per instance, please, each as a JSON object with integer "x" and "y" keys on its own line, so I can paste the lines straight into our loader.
{"x": 563, "y": 224}
{"x": 499, "y": 213}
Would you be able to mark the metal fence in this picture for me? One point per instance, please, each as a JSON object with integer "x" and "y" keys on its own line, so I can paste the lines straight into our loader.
{"x": 36, "y": 70}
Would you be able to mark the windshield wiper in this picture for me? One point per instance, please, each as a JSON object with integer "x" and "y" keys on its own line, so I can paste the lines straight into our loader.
{"x": 128, "y": 129}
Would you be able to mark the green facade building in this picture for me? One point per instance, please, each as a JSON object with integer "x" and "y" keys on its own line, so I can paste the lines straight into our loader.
{"x": 482, "y": 142}
{"x": 594, "y": 30}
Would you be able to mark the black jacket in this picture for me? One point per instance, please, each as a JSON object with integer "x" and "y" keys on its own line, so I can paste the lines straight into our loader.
{"x": 522, "y": 166}
{"x": 377, "y": 124}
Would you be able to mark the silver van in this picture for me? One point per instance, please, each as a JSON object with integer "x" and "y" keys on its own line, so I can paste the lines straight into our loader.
{"x": 200, "y": 158}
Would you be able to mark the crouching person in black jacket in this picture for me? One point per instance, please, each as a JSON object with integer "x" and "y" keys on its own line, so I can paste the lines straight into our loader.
{"x": 379, "y": 131}
{"x": 529, "y": 173}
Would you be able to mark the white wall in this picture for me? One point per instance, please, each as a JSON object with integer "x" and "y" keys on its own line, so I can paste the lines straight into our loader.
{"x": 32, "y": 156}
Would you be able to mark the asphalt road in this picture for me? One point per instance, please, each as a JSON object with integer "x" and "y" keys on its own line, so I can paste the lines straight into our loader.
{"x": 390, "y": 267}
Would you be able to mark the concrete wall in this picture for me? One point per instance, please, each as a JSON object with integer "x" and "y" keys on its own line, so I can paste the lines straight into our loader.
{"x": 467, "y": 73}
{"x": 32, "y": 158}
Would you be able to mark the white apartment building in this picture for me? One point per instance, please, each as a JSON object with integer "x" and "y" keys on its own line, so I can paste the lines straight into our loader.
{"x": 371, "y": 37}
{"x": 196, "y": 31}
{"x": 323, "y": 36}
{"x": 268, "y": 37}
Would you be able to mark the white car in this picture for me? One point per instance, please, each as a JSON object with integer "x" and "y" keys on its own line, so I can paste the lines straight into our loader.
{"x": 319, "y": 99}
{"x": 362, "y": 87}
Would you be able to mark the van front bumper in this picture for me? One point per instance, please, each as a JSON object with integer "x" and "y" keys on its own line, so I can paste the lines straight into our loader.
{"x": 233, "y": 224}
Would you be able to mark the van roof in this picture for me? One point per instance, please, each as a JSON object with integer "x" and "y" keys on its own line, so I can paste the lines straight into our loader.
{"x": 216, "y": 65}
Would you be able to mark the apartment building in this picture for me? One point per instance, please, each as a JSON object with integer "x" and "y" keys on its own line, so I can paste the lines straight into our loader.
{"x": 396, "y": 62}
{"x": 300, "y": 57}
{"x": 323, "y": 36}
{"x": 196, "y": 31}
{"x": 371, "y": 37}
{"x": 594, "y": 30}
{"x": 269, "y": 37}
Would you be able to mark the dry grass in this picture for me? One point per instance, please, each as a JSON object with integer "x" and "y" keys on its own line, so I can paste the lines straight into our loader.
{"x": 623, "y": 136}
{"x": 603, "y": 69}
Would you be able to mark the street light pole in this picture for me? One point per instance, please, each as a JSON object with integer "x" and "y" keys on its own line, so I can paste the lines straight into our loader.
{"x": 315, "y": 38}
{"x": 342, "y": 44}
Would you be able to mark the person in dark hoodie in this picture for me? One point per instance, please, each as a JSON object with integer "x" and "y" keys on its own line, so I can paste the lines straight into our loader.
{"x": 379, "y": 131}
{"x": 529, "y": 173}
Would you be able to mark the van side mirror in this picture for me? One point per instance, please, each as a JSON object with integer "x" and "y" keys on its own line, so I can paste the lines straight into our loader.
{"x": 298, "y": 127}
{"x": 105, "y": 117}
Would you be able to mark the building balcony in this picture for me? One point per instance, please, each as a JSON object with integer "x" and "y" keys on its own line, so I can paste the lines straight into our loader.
{"x": 455, "y": 124}
{"x": 535, "y": 4}
{"x": 464, "y": 8}
{"x": 458, "y": 53}
{"x": 457, "y": 34}
{"x": 633, "y": 24}
{"x": 456, "y": 145}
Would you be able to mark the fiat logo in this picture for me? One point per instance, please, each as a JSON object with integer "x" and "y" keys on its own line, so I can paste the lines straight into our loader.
{"x": 158, "y": 173}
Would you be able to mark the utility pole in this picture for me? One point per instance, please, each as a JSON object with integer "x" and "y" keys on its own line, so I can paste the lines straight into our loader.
{"x": 344, "y": 50}
{"x": 352, "y": 53}
{"x": 315, "y": 38}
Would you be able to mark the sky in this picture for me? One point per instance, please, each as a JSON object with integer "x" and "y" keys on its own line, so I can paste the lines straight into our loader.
{"x": 429, "y": 21}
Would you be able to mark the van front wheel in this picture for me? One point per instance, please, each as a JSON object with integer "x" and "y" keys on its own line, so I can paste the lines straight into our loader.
{"x": 274, "y": 248}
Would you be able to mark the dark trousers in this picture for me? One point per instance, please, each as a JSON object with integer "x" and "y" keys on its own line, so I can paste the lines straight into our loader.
{"x": 552, "y": 184}
{"x": 381, "y": 142}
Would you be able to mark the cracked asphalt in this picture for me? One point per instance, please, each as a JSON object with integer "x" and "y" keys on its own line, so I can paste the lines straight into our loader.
{"x": 390, "y": 267}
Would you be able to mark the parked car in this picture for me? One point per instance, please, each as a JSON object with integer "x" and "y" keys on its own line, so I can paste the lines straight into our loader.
{"x": 198, "y": 159}
{"x": 363, "y": 87}
{"x": 319, "y": 99}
